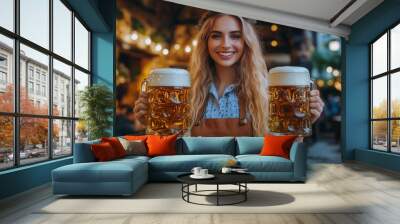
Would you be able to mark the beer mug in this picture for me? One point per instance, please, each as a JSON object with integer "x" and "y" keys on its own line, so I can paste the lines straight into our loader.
{"x": 289, "y": 101}
{"x": 168, "y": 92}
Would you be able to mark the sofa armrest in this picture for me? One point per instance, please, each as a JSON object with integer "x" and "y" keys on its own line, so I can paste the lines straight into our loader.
{"x": 298, "y": 156}
{"x": 83, "y": 152}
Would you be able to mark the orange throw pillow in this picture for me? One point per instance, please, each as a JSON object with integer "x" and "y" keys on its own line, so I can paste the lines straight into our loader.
{"x": 103, "y": 151}
{"x": 135, "y": 137}
{"x": 116, "y": 145}
{"x": 161, "y": 145}
{"x": 277, "y": 145}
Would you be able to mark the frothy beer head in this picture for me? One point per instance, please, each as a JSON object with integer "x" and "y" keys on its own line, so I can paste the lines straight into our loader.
{"x": 173, "y": 77}
{"x": 288, "y": 76}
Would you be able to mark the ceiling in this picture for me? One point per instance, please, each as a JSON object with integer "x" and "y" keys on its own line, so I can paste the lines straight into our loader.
{"x": 326, "y": 16}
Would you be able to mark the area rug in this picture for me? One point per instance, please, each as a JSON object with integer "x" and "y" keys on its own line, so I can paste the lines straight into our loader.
{"x": 167, "y": 198}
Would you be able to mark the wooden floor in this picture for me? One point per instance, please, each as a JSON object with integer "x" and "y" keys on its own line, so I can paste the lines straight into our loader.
{"x": 377, "y": 188}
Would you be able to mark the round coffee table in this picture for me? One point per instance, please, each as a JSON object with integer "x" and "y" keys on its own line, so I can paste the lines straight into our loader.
{"x": 238, "y": 179}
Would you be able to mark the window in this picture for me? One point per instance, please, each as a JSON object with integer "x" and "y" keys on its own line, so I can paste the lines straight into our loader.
{"x": 30, "y": 87}
{"x": 7, "y": 14}
{"x": 81, "y": 45}
{"x": 62, "y": 129}
{"x": 385, "y": 94}
{"x": 81, "y": 81}
{"x": 3, "y": 61}
{"x": 34, "y": 21}
{"x": 43, "y": 90}
{"x": 3, "y": 78}
{"x": 3, "y": 71}
{"x": 62, "y": 76}
{"x": 62, "y": 30}
{"x": 6, "y": 89}
{"x": 30, "y": 72}
{"x": 37, "y": 74}
{"x": 54, "y": 125}
{"x": 38, "y": 89}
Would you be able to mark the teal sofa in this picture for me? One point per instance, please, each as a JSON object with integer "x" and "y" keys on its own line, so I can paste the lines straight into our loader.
{"x": 125, "y": 176}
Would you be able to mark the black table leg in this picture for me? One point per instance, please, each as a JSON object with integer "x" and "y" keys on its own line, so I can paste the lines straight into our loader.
{"x": 245, "y": 193}
{"x": 182, "y": 190}
{"x": 188, "y": 189}
{"x": 217, "y": 194}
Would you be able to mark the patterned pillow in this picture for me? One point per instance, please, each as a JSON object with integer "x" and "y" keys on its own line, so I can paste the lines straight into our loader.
{"x": 133, "y": 147}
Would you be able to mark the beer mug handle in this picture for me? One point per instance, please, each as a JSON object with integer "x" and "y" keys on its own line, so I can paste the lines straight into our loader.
{"x": 143, "y": 87}
{"x": 313, "y": 86}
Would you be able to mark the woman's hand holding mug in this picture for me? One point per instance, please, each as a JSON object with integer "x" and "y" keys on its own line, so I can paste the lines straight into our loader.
{"x": 140, "y": 110}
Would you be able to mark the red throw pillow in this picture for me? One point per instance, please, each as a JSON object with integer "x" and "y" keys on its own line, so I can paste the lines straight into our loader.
{"x": 116, "y": 145}
{"x": 103, "y": 151}
{"x": 277, "y": 145}
{"x": 161, "y": 145}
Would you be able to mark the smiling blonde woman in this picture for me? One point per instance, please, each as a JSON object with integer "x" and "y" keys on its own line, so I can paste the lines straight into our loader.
{"x": 228, "y": 75}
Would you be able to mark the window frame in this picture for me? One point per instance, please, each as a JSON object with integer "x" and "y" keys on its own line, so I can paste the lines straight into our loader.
{"x": 388, "y": 74}
{"x": 16, "y": 115}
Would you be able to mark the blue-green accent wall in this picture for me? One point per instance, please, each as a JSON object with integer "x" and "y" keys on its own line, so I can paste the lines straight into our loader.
{"x": 355, "y": 143}
{"x": 99, "y": 16}
{"x": 103, "y": 56}
{"x": 24, "y": 178}
{"x": 90, "y": 12}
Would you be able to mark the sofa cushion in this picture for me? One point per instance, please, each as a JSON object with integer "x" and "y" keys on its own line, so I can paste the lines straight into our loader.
{"x": 111, "y": 171}
{"x": 257, "y": 163}
{"x": 249, "y": 145}
{"x": 206, "y": 145}
{"x": 131, "y": 158}
{"x": 185, "y": 163}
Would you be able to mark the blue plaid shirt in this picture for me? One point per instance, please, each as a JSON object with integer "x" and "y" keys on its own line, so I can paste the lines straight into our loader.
{"x": 226, "y": 106}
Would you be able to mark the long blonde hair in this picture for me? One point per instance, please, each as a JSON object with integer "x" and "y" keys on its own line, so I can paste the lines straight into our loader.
{"x": 251, "y": 70}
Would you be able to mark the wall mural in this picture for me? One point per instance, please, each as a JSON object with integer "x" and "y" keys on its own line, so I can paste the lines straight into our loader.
{"x": 224, "y": 60}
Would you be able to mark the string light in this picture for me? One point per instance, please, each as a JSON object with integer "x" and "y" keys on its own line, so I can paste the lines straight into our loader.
{"x": 194, "y": 43}
{"x": 338, "y": 86}
{"x": 177, "y": 46}
{"x": 274, "y": 43}
{"x": 329, "y": 69}
{"x": 336, "y": 73}
{"x": 274, "y": 27}
{"x": 320, "y": 83}
{"x": 188, "y": 49}
{"x": 134, "y": 36}
{"x": 147, "y": 41}
{"x": 126, "y": 38}
{"x": 165, "y": 51}
{"x": 334, "y": 45}
{"x": 158, "y": 47}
